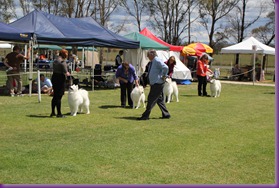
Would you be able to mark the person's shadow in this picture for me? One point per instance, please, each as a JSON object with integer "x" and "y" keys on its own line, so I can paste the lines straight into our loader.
{"x": 127, "y": 118}
{"x": 109, "y": 106}
{"x": 44, "y": 115}
{"x": 38, "y": 116}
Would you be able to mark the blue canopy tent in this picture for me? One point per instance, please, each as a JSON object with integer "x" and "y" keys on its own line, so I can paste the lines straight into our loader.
{"x": 50, "y": 29}
{"x": 9, "y": 33}
{"x": 85, "y": 31}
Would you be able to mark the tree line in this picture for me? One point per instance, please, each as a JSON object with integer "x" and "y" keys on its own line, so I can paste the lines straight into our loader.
{"x": 223, "y": 21}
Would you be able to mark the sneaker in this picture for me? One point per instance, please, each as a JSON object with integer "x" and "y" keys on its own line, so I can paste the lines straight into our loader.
{"x": 20, "y": 95}
{"x": 12, "y": 95}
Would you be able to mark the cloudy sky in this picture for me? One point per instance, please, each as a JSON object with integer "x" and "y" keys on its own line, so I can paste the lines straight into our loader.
{"x": 197, "y": 32}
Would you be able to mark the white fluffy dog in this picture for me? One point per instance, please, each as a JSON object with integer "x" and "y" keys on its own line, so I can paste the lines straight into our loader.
{"x": 170, "y": 88}
{"x": 215, "y": 88}
{"x": 138, "y": 96}
{"x": 77, "y": 99}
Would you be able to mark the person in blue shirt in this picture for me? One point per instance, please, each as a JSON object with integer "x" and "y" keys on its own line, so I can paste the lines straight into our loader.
{"x": 126, "y": 74}
{"x": 157, "y": 74}
{"x": 45, "y": 83}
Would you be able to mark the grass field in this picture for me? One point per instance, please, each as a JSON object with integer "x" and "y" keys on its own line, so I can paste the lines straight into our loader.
{"x": 226, "y": 140}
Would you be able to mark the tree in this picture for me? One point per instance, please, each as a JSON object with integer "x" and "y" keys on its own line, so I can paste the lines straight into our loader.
{"x": 267, "y": 32}
{"x": 237, "y": 21}
{"x": 7, "y": 10}
{"x": 49, "y": 6}
{"x": 192, "y": 6}
{"x": 238, "y": 24}
{"x": 170, "y": 18}
{"x": 212, "y": 11}
{"x": 135, "y": 9}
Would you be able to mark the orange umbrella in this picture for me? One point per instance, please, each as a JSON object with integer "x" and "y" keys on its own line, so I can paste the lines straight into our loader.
{"x": 201, "y": 47}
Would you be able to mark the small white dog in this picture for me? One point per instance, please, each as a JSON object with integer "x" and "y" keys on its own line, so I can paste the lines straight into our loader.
{"x": 170, "y": 88}
{"x": 215, "y": 88}
{"x": 77, "y": 99}
{"x": 138, "y": 96}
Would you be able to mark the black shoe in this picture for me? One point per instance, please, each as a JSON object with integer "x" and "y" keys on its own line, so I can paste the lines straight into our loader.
{"x": 60, "y": 116}
{"x": 143, "y": 118}
{"x": 52, "y": 114}
{"x": 166, "y": 117}
{"x": 206, "y": 95}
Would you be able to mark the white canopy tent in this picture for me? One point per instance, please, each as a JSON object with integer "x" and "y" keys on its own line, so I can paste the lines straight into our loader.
{"x": 250, "y": 46}
{"x": 138, "y": 58}
{"x": 180, "y": 71}
{"x": 245, "y": 47}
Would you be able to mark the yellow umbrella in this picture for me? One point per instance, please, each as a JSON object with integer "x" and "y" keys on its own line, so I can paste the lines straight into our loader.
{"x": 201, "y": 47}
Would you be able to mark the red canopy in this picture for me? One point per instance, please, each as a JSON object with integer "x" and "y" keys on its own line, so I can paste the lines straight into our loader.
{"x": 150, "y": 35}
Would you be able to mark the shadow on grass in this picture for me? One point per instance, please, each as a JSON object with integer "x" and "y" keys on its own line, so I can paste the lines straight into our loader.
{"x": 127, "y": 118}
{"x": 189, "y": 95}
{"x": 38, "y": 116}
{"x": 136, "y": 118}
{"x": 109, "y": 106}
{"x": 271, "y": 93}
{"x": 44, "y": 116}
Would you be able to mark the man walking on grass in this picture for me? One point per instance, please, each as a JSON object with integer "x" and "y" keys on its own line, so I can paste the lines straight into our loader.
{"x": 157, "y": 73}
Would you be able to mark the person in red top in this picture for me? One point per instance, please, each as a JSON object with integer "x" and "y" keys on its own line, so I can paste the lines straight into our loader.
{"x": 202, "y": 69}
{"x": 171, "y": 63}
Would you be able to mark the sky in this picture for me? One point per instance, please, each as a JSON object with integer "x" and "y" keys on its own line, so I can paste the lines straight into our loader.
{"x": 198, "y": 33}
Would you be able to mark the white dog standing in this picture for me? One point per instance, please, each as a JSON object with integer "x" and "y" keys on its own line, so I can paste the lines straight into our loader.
{"x": 170, "y": 88}
{"x": 215, "y": 88}
{"x": 138, "y": 96}
{"x": 77, "y": 99}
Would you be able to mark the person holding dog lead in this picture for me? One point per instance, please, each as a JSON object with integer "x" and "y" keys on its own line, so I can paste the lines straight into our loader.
{"x": 58, "y": 80}
{"x": 126, "y": 74}
{"x": 202, "y": 70}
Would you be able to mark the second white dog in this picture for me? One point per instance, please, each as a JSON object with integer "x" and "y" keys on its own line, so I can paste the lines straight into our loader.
{"x": 78, "y": 99}
{"x": 170, "y": 88}
{"x": 138, "y": 96}
{"x": 215, "y": 88}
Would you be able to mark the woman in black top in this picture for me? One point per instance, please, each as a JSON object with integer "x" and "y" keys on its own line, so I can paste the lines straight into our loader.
{"x": 58, "y": 80}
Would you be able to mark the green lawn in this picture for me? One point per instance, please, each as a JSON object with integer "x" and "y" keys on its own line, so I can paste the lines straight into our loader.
{"x": 226, "y": 140}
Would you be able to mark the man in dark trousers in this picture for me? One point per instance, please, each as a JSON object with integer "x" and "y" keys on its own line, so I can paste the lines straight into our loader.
{"x": 157, "y": 73}
{"x": 118, "y": 59}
